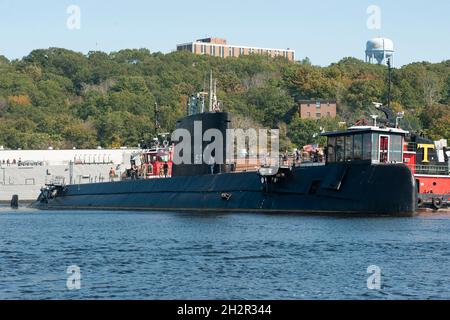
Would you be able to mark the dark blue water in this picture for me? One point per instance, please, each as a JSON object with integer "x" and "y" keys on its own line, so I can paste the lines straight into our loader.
{"x": 130, "y": 255}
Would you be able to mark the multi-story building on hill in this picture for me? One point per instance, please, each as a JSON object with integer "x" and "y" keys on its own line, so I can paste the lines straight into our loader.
{"x": 220, "y": 48}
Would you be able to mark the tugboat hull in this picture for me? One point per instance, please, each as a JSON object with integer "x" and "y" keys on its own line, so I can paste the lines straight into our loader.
{"x": 364, "y": 189}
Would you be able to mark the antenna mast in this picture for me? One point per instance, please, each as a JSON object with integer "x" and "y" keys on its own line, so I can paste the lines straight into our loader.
{"x": 390, "y": 81}
{"x": 156, "y": 118}
{"x": 211, "y": 93}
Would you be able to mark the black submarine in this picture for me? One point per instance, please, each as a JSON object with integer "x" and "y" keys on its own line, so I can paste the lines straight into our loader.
{"x": 363, "y": 174}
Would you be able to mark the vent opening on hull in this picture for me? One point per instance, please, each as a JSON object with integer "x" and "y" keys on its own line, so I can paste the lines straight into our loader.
{"x": 315, "y": 185}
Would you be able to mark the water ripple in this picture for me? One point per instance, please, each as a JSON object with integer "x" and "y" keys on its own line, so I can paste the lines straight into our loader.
{"x": 131, "y": 255}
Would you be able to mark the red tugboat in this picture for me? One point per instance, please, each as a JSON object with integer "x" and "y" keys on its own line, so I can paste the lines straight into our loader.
{"x": 156, "y": 162}
{"x": 430, "y": 164}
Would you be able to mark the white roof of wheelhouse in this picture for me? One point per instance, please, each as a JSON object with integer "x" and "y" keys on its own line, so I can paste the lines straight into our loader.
{"x": 366, "y": 129}
{"x": 378, "y": 129}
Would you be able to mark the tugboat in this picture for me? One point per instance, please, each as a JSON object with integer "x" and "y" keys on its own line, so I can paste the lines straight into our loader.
{"x": 151, "y": 163}
{"x": 430, "y": 164}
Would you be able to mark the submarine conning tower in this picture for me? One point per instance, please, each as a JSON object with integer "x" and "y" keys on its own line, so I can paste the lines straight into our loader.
{"x": 197, "y": 125}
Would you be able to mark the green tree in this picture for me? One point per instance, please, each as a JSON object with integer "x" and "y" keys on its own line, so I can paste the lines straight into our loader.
{"x": 61, "y": 98}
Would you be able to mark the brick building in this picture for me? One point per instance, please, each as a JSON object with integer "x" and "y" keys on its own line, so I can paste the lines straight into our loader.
{"x": 220, "y": 48}
{"x": 317, "y": 109}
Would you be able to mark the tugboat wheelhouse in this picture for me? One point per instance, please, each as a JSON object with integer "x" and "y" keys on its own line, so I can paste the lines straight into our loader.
{"x": 366, "y": 144}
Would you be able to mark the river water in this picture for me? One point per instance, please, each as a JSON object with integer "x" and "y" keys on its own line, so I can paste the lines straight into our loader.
{"x": 154, "y": 255}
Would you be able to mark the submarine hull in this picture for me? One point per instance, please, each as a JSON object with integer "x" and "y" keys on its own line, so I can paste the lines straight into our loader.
{"x": 366, "y": 189}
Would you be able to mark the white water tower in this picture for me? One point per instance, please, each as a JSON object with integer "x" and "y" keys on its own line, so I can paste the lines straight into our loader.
{"x": 379, "y": 50}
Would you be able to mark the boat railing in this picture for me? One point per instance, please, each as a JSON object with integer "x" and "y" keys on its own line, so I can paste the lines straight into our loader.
{"x": 311, "y": 164}
{"x": 57, "y": 181}
{"x": 431, "y": 170}
{"x": 245, "y": 165}
{"x": 249, "y": 164}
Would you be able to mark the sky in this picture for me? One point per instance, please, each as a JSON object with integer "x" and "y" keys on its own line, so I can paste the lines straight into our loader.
{"x": 325, "y": 31}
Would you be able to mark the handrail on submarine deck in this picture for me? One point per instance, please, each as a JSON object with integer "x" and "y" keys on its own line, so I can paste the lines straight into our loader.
{"x": 253, "y": 165}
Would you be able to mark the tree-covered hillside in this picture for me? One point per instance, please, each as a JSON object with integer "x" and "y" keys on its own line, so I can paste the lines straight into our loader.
{"x": 65, "y": 99}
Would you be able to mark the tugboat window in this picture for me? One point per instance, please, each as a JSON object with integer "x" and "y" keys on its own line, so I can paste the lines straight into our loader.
{"x": 348, "y": 148}
{"x": 375, "y": 145}
{"x": 367, "y": 146}
{"x": 358, "y": 146}
{"x": 331, "y": 156}
{"x": 340, "y": 149}
{"x": 396, "y": 150}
